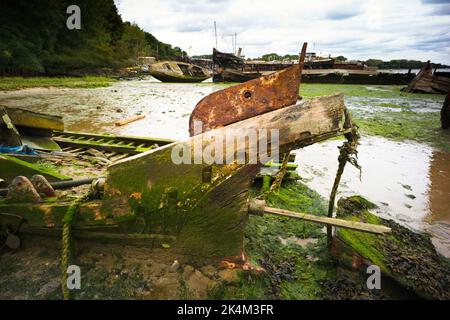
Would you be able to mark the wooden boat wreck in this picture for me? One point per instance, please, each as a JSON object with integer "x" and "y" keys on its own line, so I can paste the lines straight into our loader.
{"x": 229, "y": 68}
{"x": 196, "y": 208}
{"x": 427, "y": 82}
{"x": 174, "y": 71}
{"x": 24, "y": 127}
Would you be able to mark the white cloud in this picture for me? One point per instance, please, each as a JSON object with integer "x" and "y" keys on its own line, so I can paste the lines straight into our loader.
{"x": 383, "y": 29}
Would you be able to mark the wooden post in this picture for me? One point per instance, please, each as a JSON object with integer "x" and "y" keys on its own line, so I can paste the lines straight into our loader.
{"x": 445, "y": 113}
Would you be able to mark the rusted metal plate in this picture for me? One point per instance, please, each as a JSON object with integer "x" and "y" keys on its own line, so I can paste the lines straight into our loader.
{"x": 249, "y": 99}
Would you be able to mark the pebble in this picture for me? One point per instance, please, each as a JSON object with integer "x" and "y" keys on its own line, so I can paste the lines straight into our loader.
{"x": 175, "y": 266}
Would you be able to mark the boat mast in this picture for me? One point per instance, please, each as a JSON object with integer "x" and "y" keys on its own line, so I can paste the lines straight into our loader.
{"x": 215, "y": 32}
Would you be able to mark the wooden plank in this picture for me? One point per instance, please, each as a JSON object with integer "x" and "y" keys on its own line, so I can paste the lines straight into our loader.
{"x": 129, "y": 120}
{"x": 31, "y": 119}
{"x": 357, "y": 226}
{"x": 11, "y": 167}
{"x": 9, "y": 136}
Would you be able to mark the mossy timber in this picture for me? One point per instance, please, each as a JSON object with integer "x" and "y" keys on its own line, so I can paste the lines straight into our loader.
{"x": 203, "y": 207}
{"x": 13, "y": 167}
{"x": 407, "y": 257}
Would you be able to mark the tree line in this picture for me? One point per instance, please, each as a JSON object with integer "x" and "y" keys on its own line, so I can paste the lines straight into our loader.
{"x": 380, "y": 64}
{"x": 34, "y": 39}
{"x": 399, "y": 64}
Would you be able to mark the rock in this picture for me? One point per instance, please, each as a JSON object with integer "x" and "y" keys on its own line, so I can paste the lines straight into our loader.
{"x": 208, "y": 270}
{"x": 42, "y": 186}
{"x": 407, "y": 187}
{"x": 22, "y": 190}
{"x": 312, "y": 258}
{"x": 199, "y": 284}
{"x": 175, "y": 266}
{"x": 119, "y": 110}
{"x": 188, "y": 270}
{"x": 353, "y": 206}
{"x": 49, "y": 287}
{"x": 299, "y": 241}
{"x": 228, "y": 275}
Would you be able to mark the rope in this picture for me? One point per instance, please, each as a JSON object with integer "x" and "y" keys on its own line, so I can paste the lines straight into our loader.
{"x": 281, "y": 173}
{"x": 66, "y": 252}
{"x": 347, "y": 153}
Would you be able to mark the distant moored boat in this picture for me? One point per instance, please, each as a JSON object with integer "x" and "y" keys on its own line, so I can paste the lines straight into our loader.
{"x": 174, "y": 71}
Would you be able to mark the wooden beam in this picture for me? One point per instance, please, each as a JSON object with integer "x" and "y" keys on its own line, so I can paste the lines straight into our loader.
{"x": 357, "y": 226}
{"x": 9, "y": 136}
{"x": 31, "y": 119}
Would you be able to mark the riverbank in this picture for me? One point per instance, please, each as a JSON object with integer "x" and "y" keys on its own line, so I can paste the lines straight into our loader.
{"x": 19, "y": 83}
{"x": 388, "y": 112}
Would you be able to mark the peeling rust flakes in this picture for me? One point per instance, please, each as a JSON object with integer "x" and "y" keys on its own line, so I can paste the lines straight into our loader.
{"x": 247, "y": 100}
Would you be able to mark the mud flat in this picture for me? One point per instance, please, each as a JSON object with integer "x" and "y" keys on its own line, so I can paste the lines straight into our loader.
{"x": 405, "y": 172}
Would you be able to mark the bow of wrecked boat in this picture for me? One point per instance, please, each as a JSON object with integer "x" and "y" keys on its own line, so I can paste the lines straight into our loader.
{"x": 183, "y": 203}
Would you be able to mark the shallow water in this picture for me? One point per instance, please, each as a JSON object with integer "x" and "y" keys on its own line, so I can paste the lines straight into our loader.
{"x": 410, "y": 182}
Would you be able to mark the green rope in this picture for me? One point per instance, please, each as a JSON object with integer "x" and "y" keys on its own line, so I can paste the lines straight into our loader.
{"x": 347, "y": 153}
{"x": 66, "y": 252}
{"x": 281, "y": 173}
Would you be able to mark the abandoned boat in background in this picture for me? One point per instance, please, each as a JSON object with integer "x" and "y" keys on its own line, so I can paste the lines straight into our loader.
{"x": 427, "y": 82}
{"x": 228, "y": 67}
{"x": 174, "y": 71}
{"x": 231, "y": 68}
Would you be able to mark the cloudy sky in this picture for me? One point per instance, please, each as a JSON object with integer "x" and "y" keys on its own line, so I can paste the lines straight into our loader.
{"x": 384, "y": 29}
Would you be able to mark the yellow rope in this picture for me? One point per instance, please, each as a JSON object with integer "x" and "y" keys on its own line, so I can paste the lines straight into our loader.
{"x": 66, "y": 252}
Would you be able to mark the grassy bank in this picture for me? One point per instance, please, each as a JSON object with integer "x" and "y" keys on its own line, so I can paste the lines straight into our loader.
{"x": 309, "y": 90}
{"x": 407, "y": 125}
{"x": 17, "y": 83}
{"x": 394, "y": 114}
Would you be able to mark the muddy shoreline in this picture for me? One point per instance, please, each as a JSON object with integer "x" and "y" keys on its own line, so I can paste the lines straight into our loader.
{"x": 407, "y": 179}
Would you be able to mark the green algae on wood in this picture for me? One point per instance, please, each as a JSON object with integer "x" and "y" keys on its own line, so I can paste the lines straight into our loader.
{"x": 12, "y": 167}
{"x": 405, "y": 256}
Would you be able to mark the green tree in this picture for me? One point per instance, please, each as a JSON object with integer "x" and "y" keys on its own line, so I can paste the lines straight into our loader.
{"x": 34, "y": 38}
